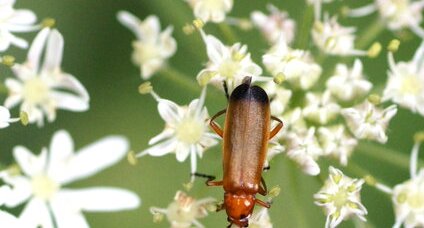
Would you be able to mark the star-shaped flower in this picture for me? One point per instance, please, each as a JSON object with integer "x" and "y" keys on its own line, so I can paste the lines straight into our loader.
{"x": 296, "y": 66}
{"x": 153, "y": 46}
{"x": 42, "y": 89}
{"x": 6, "y": 219}
{"x": 186, "y": 131}
{"x": 185, "y": 210}
{"x": 348, "y": 84}
{"x": 340, "y": 198}
{"x": 43, "y": 178}
{"x": 230, "y": 64}
{"x": 11, "y": 21}
{"x": 366, "y": 121}
{"x": 274, "y": 25}
{"x": 405, "y": 85}
{"x": 211, "y": 10}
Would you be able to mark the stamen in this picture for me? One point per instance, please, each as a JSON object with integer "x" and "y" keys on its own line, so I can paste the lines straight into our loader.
{"x": 23, "y": 116}
{"x": 198, "y": 24}
{"x": 418, "y": 139}
{"x": 8, "y": 60}
{"x": 145, "y": 88}
{"x": 48, "y": 22}
{"x": 132, "y": 158}
{"x": 374, "y": 50}
{"x": 279, "y": 78}
{"x": 374, "y": 99}
{"x": 393, "y": 45}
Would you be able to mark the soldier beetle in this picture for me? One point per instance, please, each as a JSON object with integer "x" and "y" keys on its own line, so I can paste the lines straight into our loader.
{"x": 245, "y": 136}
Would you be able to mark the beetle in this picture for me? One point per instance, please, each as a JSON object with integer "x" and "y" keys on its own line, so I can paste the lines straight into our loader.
{"x": 245, "y": 137}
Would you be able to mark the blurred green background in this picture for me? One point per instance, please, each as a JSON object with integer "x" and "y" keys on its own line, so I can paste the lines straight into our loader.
{"x": 97, "y": 51}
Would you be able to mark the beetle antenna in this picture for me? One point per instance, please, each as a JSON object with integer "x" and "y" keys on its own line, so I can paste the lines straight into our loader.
{"x": 224, "y": 84}
{"x": 247, "y": 80}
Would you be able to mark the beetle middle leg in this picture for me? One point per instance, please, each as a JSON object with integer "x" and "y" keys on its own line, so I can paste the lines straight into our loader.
{"x": 276, "y": 128}
{"x": 214, "y": 125}
{"x": 263, "y": 190}
{"x": 210, "y": 179}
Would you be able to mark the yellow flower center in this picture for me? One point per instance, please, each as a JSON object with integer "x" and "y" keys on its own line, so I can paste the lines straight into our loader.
{"x": 144, "y": 52}
{"x": 44, "y": 187}
{"x": 35, "y": 91}
{"x": 190, "y": 130}
{"x": 340, "y": 199}
{"x": 416, "y": 200}
{"x": 411, "y": 85}
{"x": 229, "y": 68}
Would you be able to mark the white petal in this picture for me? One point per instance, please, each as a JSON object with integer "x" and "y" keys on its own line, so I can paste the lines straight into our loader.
{"x": 66, "y": 219}
{"x": 215, "y": 49}
{"x": 4, "y": 193}
{"x": 21, "y": 190}
{"x": 69, "y": 82}
{"x": 22, "y": 17}
{"x": 182, "y": 151}
{"x": 61, "y": 151}
{"x": 34, "y": 53}
{"x": 28, "y": 162}
{"x": 96, "y": 157}
{"x": 169, "y": 111}
{"x": 54, "y": 51}
{"x": 166, "y": 133}
{"x": 9, "y": 221}
{"x": 101, "y": 199}
{"x": 71, "y": 102}
{"x": 130, "y": 21}
{"x": 161, "y": 148}
{"x": 36, "y": 214}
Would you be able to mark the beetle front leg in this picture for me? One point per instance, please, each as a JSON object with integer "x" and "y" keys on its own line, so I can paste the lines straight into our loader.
{"x": 214, "y": 125}
{"x": 276, "y": 128}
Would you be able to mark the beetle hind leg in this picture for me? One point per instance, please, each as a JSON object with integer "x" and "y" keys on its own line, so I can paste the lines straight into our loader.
{"x": 276, "y": 128}
{"x": 214, "y": 125}
{"x": 210, "y": 179}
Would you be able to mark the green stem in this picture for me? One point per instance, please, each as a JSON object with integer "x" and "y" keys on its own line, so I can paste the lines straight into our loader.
{"x": 369, "y": 34}
{"x": 228, "y": 33}
{"x": 180, "y": 78}
{"x": 304, "y": 29}
{"x": 295, "y": 192}
{"x": 387, "y": 155}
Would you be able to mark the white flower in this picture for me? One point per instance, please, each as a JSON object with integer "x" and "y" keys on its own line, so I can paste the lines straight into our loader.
{"x": 186, "y": 131}
{"x": 320, "y": 108}
{"x": 44, "y": 177}
{"x": 185, "y": 211}
{"x": 274, "y": 25}
{"x": 296, "y": 66}
{"x": 304, "y": 149}
{"x": 400, "y": 14}
{"x": 279, "y": 97}
{"x": 336, "y": 142}
{"x": 366, "y": 121}
{"x": 211, "y": 10}
{"x": 6, "y": 219}
{"x": 152, "y": 47}
{"x": 334, "y": 39}
{"x": 348, "y": 84}
{"x": 405, "y": 85}
{"x": 5, "y": 119}
{"x": 43, "y": 89}
{"x": 340, "y": 197}
{"x": 317, "y": 7}
{"x": 408, "y": 197}
{"x": 260, "y": 219}
{"x": 230, "y": 64}
{"x": 12, "y": 20}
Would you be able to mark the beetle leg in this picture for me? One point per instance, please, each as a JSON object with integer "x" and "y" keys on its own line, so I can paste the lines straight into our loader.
{"x": 262, "y": 203}
{"x": 214, "y": 125}
{"x": 276, "y": 128}
{"x": 263, "y": 190}
{"x": 210, "y": 178}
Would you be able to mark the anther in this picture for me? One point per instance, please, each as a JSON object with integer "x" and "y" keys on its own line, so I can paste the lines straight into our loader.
{"x": 8, "y": 60}
{"x": 48, "y": 22}
{"x": 23, "y": 116}
{"x": 374, "y": 50}
{"x": 145, "y": 88}
{"x": 393, "y": 45}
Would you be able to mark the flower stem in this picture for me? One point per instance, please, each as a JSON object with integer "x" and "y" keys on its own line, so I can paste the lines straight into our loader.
{"x": 386, "y": 155}
{"x": 180, "y": 78}
{"x": 228, "y": 33}
{"x": 369, "y": 34}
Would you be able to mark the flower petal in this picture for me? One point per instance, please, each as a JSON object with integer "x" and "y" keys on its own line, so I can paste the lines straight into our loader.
{"x": 71, "y": 102}
{"x": 130, "y": 21}
{"x": 28, "y": 162}
{"x": 161, "y": 148}
{"x": 36, "y": 214}
{"x": 54, "y": 51}
{"x": 34, "y": 53}
{"x": 100, "y": 199}
{"x": 8, "y": 220}
{"x": 169, "y": 111}
{"x": 96, "y": 157}
{"x": 61, "y": 151}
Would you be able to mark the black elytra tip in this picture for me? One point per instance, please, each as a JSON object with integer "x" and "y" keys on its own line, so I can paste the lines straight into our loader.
{"x": 247, "y": 92}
